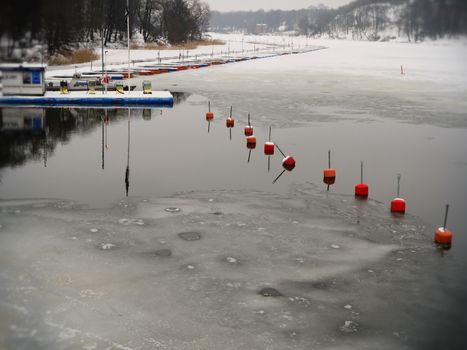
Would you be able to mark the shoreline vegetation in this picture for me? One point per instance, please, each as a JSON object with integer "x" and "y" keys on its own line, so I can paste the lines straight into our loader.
{"x": 189, "y": 45}
{"x": 84, "y": 55}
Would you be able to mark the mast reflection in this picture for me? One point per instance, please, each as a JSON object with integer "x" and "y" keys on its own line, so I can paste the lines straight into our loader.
{"x": 127, "y": 170}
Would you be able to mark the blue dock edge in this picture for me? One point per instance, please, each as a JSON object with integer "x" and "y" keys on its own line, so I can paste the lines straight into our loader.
{"x": 94, "y": 101}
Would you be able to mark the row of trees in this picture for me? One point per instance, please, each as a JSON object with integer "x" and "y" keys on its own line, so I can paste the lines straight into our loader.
{"x": 59, "y": 23}
{"x": 416, "y": 19}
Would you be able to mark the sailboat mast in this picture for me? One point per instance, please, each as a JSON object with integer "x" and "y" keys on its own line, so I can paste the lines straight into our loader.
{"x": 128, "y": 36}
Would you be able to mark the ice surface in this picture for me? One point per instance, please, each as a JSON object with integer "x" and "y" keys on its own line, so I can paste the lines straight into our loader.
{"x": 275, "y": 272}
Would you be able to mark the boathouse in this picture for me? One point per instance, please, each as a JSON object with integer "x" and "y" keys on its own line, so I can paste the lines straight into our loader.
{"x": 23, "y": 79}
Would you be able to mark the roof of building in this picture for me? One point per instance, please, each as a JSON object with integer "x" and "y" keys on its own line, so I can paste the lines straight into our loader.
{"x": 22, "y": 66}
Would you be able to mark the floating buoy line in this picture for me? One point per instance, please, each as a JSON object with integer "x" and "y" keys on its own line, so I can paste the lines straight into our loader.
{"x": 443, "y": 237}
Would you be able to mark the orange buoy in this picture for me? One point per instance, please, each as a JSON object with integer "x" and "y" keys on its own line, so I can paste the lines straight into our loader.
{"x": 248, "y": 129}
{"x": 269, "y": 145}
{"x": 209, "y": 114}
{"x": 329, "y": 174}
{"x": 251, "y": 142}
{"x": 361, "y": 189}
{"x": 398, "y": 204}
{"x": 443, "y": 236}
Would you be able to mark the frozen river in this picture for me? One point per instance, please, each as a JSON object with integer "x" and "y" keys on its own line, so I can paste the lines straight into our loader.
{"x": 245, "y": 263}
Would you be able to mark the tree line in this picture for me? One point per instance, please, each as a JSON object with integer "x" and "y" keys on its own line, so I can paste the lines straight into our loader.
{"x": 417, "y": 19}
{"x": 59, "y": 24}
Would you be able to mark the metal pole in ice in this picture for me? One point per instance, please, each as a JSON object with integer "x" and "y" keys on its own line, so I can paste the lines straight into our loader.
{"x": 398, "y": 184}
{"x": 361, "y": 172}
{"x": 446, "y": 217}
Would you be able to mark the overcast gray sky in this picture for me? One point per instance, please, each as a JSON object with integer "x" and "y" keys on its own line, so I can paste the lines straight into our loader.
{"x": 233, "y": 5}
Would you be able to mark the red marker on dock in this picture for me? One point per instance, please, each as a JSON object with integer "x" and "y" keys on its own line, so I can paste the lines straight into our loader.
{"x": 361, "y": 189}
{"x": 443, "y": 236}
{"x": 398, "y": 204}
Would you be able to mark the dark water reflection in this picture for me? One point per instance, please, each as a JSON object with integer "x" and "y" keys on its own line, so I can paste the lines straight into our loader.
{"x": 96, "y": 156}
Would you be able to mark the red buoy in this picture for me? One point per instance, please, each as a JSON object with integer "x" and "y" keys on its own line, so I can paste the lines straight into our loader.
{"x": 230, "y": 122}
{"x": 269, "y": 148}
{"x": 248, "y": 129}
{"x": 361, "y": 189}
{"x": 288, "y": 163}
{"x": 269, "y": 145}
{"x": 329, "y": 174}
{"x": 209, "y": 114}
{"x": 251, "y": 142}
{"x": 443, "y": 236}
{"x": 398, "y": 204}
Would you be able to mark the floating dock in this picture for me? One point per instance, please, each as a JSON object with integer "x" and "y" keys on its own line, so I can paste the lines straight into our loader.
{"x": 83, "y": 99}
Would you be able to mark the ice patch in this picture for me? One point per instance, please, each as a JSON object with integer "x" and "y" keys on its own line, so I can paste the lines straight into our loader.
{"x": 231, "y": 260}
{"x": 349, "y": 327}
{"x": 106, "y": 246}
{"x": 89, "y": 293}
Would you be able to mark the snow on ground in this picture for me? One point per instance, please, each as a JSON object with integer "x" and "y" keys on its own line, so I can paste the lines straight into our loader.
{"x": 230, "y": 270}
{"x": 441, "y": 61}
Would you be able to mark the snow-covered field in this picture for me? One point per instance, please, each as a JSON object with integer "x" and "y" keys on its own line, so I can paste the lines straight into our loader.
{"x": 437, "y": 61}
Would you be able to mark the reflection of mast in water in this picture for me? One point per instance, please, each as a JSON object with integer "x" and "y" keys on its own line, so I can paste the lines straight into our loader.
{"x": 107, "y": 121}
{"x": 103, "y": 127}
{"x": 127, "y": 171}
{"x": 46, "y": 133}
